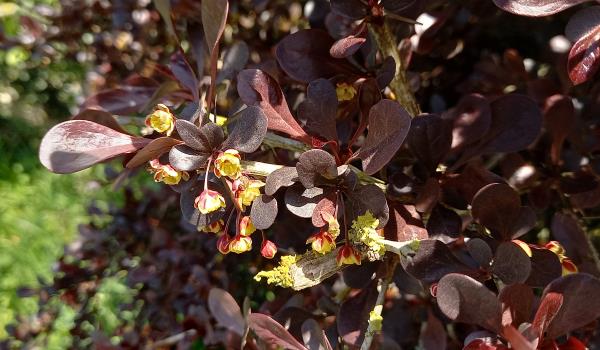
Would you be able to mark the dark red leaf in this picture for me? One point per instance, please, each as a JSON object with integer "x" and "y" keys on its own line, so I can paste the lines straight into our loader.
{"x": 123, "y": 100}
{"x": 184, "y": 158}
{"x": 511, "y": 264}
{"x": 536, "y": 8}
{"x": 472, "y": 118}
{"x": 100, "y": 117}
{"x": 369, "y": 198}
{"x": 517, "y": 301}
{"x": 304, "y": 56}
{"x": 319, "y": 109}
{"x": 582, "y": 23}
{"x": 153, "y": 150}
{"x": 545, "y": 267}
{"x": 480, "y": 251}
{"x": 314, "y": 336}
{"x": 549, "y": 307}
{"x": 301, "y": 201}
{"x": 257, "y": 88}
{"x": 325, "y": 205}
{"x": 263, "y": 212}
{"x": 205, "y": 139}
{"x": 429, "y": 139}
{"x": 353, "y": 9}
{"x": 234, "y": 61}
{"x": 283, "y": 177}
{"x": 444, "y": 223}
{"x": 433, "y": 335}
{"x": 225, "y": 310}
{"x": 353, "y": 315}
{"x": 315, "y": 165}
{"x": 78, "y": 144}
{"x": 348, "y": 45}
{"x": 214, "y": 18}
{"x": 185, "y": 74}
{"x": 272, "y": 332}
{"x": 569, "y": 233}
{"x": 464, "y": 299}
{"x": 404, "y": 224}
{"x": 247, "y": 131}
{"x": 389, "y": 124}
{"x": 433, "y": 261}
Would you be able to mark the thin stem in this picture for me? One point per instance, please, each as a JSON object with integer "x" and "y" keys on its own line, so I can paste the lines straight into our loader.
{"x": 207, "y": 173}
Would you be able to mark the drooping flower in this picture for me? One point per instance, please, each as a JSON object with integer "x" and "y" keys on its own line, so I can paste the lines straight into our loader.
{"x": 348, "y": 256}
{"x": 240, "y": 244}
{"x": 215, "y": 227}
{"x": 568, "y": 267}
{"x": 246, "y": 190}
{"x": 321, "y": 242}
{"x": 344, "y": 91}
{"x": 333, "y": 226}
{"x": 268, "y": 249}
{"x": 161, "y": 120}
{"x": 246, "y": 226}
{"x": 223, "y": 243}
{"x": 228, "y": 164}
{"x": 209, "y": 201}
{"x": 166, "y": 173}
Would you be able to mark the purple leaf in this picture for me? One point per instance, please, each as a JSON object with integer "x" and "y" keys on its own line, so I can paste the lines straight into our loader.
{"x": 353, "y": 9}
{"x": 433, "y": 261}
{"x": 184, "y": 74}
{"x": 319, "y": 109}
{"x": 429, "y": 139}
{"x": 584, "y": 57}
{"x": 272, "y": 332}
{"x": 369, "y": 198}
{"x": 153, "y": 150}
{"x": 225, "y": 310}
{"x": 511, "y": 264}
{"x": 545, "y": 267}
{"x": 348, "y": 45}
{"x": 214, "y": 18}
{"x": 536, "y": 8}
{"x": 256, "y": 88}
{"x": 353, "y": 315}
{"x": 182, "y": 157}
{"x": 472, "y": 118}
{"x": 566, "y": 229}
{"x": 301, "y": 201}
{"x": 78, "y": 144}
{"x": 263, "y": 212}
{"x": 283, "y": 177}
{"x": 315, "y": 166}
{"x": 389, "y": 124}
{"x": 480, "y": 251}
{"x": 433, "y": 334}
{"x": 404, "y": 223}
{"x": 304, "y": 56}
{"x": 121, "y": 100}
{"x": 247, "y": 131}
{"x": 582, "y": 23}
{"x": 314, "y": 336}
{"x": 517, "y": 301}
{"x": 466, "y": 300}
{"x": 100, "y": 117}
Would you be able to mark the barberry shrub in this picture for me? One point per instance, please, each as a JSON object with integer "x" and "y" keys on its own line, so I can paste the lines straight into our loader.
{"x": 414, "y": 178}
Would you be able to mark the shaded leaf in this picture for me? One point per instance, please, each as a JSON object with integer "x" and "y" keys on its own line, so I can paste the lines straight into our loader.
{"x": 464, "y": 299}
{"x": 122, "y": 100}
{"x": 566, "y": 229}
{"x": 164, "y": 8}
{"x": 263, "y": 212}
{"x": 386, "y": 73}
{"x": 536, "y": 8}
{"x": 282, "y": 177}
{"x": 550, "y": 305}
{"x": 404, "y": 223}
{"x": 353, "y": 315}
{"x": 319, "y": 109}
{"x": 272, "y": 332}
{"x": 248, "y": 130}
{"x": 214, "y": 17}
{"x": 256, "y": 88}
{"x": 471, "y": 118}
{"x": 480, "y": 251}
{"x": 429, "y": 139}
{"x": 582, "y": 23}
{"x": 304, "y": 56}
{"x": 433, "y": 261}
{"x": 545, "y": 267}
{"x": 314, "y": 336}
{"x": 226, "y": 310}
{"x": 184, "y": 74}
{"x": 370, "y": 198}
{"x": 433, "y": 334}
{"x": 389, "y": 124}
{"x": 153, "y": 150}
{"x": 353, "y": 9}
{"x": 348, "y": 45}
{"x": 517, "y": 302}
{"x": 497, "y": 206}
{"x": 325, "y": 205}
{"x": 184, "y": 158}
{"x": 301, "y": 201}
{"x": 314, "y": 165}
{"x": 511, "y": 264}
{"x": 78, "y": 144}
{"x": 234, "y": 61}
{"x": 444, "y": 223}
{"x": 100, "y": 117}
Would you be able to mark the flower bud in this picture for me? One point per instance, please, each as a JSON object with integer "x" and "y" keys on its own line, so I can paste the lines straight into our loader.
{"x": 240, "y": 244}
{"x": 209, "y": 201}
{"x": 223, "y": 243}
{"x": 166, "y": 173}
{"x": 228, "y": 164}
{"x": 214, "y": 227}
{"x": 268, "y": 249}
{"x": 161, "y": 120}
{"x": 246, "y": 226}
{"x": 321, "y": 242}
{"x": 348, "y": 255}
{"x": 568, "y": 266}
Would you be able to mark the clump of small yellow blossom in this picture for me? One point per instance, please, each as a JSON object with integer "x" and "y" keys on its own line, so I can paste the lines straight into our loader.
{"x": 375, "y": 319}
{"x": 344, "y": 91}
{"x": 209, "y": 201}
{"x": 228, "y": 164}
{"x": 166, "y": 173}
{"x": 280, "y": 275}
{"x": 568, "y": 267}
{"x": 246, "y": 190}
{"x": 161, "y": 120}
{"x": 364, "y": 233}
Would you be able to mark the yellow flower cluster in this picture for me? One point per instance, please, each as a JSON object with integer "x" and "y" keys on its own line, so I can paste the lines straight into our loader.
{"x": 166, "y": 173}
{"x": 344, "y": 91}
{"x": 229, "y": 164}
{"x": 364, "y": 231}
{"x": 280, "y": 275}
{"x": 161, "y": 120}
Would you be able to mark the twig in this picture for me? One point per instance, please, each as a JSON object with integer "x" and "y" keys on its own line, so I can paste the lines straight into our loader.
{"x": 172, "y": 340}
{"x": 399, "y": 85}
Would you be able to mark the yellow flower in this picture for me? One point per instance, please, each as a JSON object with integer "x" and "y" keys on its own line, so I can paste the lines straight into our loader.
{"x": 333, "y": 225}
{"x": 214, "y": 227}
{"x": 347, "y": 255}
{"x": 166, "y": 173}
{"x": 228, "y": 164}
{"x": 161, "y": 120}
{"x": 344, "y": 91}
{"x": 280, "y": 275}
{"x": 240, "y": 244}
{"x": 246, "y": 226}
{"x": 268, "y": 249}
{"x": 322, "y": 242}
{"x": 375, "y": 318}
{"x": 209, "y": 201}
